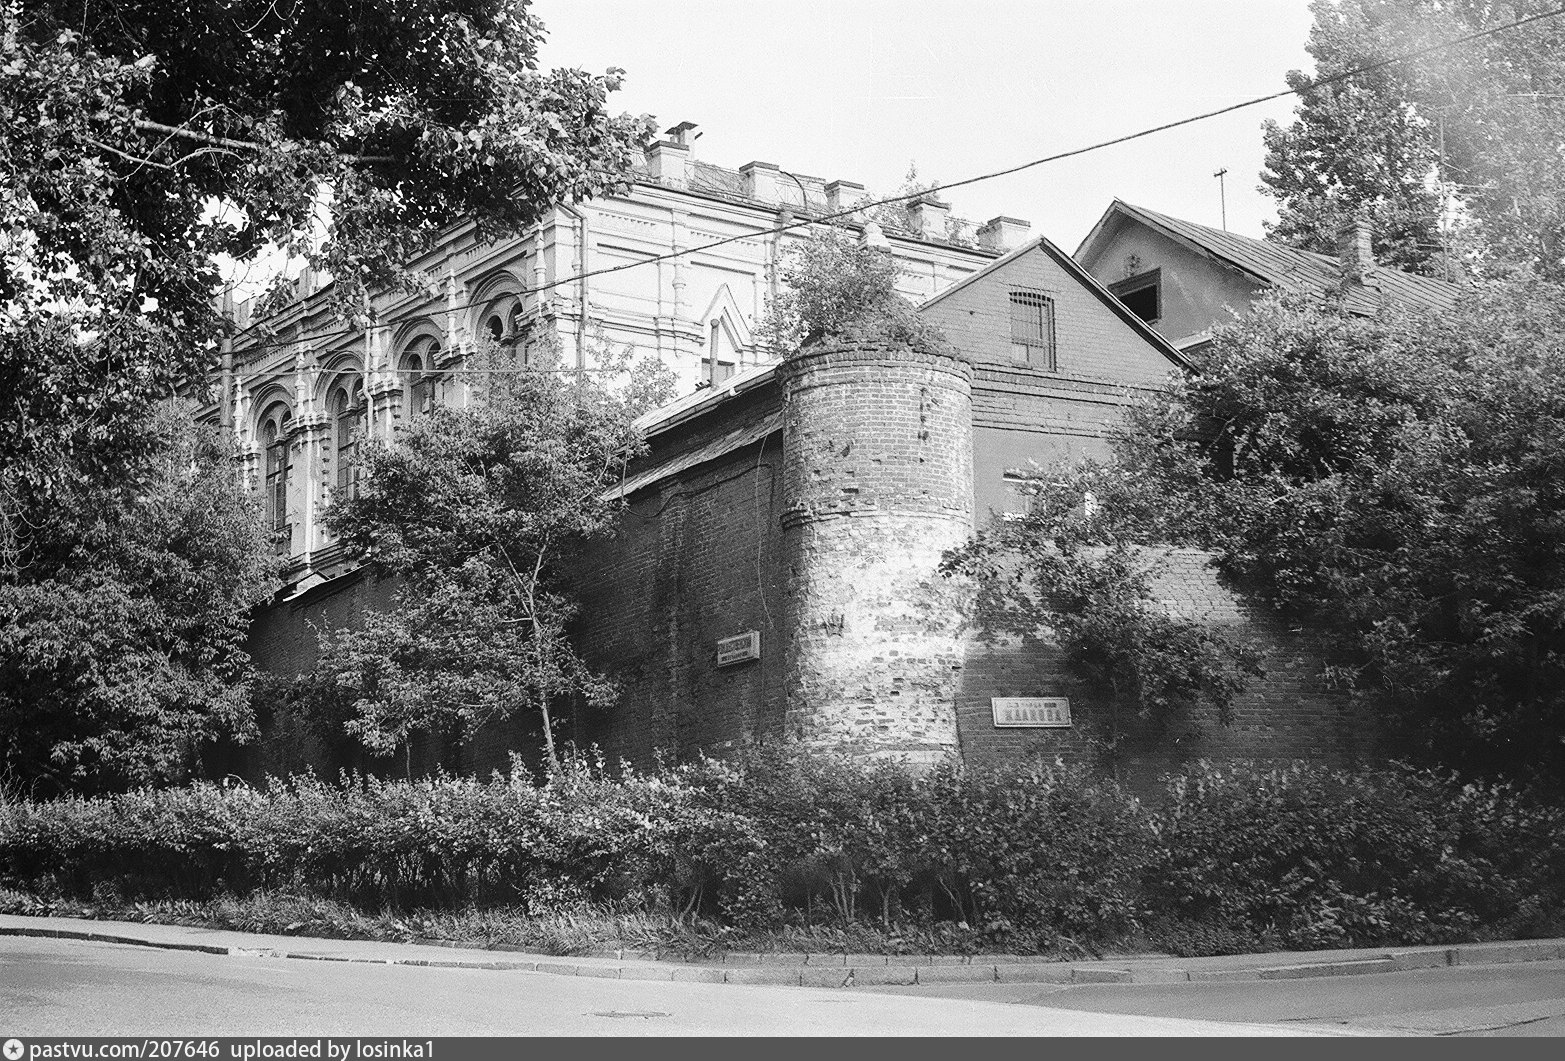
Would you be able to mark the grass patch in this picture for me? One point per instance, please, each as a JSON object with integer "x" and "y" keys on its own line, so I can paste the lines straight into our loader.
{"x": 585, "y": 932}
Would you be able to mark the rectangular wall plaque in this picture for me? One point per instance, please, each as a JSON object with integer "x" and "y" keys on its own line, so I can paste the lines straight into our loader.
{"x": 1051, "y": 712}
{"x": 738, "y": 649}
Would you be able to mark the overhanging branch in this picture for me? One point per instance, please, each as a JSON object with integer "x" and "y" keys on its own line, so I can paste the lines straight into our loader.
{"x": 179, "y": 132}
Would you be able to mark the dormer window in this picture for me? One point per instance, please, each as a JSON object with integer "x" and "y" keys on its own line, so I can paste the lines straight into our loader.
{"x": 1142, "y": 294}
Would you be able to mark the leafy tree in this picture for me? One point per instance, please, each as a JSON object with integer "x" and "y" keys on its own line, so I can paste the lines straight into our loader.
{"x": 1064, "y": 575}
{"x": 478, "y": 513}
{"x": 1394, "y": 484}
{"x": 141, "y": 145}
{"x": 142, "y": 141}
{"x": 1485, "y": 117}
{"x": 1354, "y": 149}
{"x": 122, "y": 620}
{"x": 837, "y": 288}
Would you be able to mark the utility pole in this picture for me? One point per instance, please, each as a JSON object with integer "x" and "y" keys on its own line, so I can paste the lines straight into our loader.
{"x": 1222, "y": 195}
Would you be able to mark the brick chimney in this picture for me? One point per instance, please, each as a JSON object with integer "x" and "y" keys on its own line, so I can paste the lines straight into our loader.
{"x": 840, "y": 195}
{"x": 1355, "y": 252}
{"x": 668, "y": 160}
{"x": 926, "y": 216}
{"x": 760, "y": 181}
{"x": 1003, "y": 233}
{"x": 669, "y": 163}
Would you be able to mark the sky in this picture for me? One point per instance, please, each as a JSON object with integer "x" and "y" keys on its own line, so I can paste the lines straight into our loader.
{"x": 861, "y": 89}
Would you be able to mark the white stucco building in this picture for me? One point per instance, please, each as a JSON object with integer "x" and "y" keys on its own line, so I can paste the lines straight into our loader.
{"x": 680, "y": 267}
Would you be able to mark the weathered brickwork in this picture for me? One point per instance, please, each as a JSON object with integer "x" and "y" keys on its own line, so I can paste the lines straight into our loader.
{"x": 1290, "y": 713}
{"x": 811, "y": 503}
{"x": 283, "y": 640}
{"x": 877, "y": 459}
{"x": 696, "y": 559}
{"x": 1026, "y": 414}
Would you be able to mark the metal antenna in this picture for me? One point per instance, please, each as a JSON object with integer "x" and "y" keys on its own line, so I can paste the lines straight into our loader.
{"x": 1222, "y": 195}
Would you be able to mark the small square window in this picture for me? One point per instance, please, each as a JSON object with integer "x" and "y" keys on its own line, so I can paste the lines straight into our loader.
{"x": 1018, "y": 495}
{"x": 1142, "y": 294}
{"x": 1032, "y": 329}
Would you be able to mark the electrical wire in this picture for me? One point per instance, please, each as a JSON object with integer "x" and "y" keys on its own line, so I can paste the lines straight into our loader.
{"x": 839, "y": 215}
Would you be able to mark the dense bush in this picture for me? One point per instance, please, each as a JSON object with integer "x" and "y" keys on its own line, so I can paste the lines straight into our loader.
{"x": 1307, "y": 857}
{"x": 1030, "y": 857}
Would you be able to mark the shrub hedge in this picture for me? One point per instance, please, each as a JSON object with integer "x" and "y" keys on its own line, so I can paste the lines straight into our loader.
{"x": 1033, "y": 856}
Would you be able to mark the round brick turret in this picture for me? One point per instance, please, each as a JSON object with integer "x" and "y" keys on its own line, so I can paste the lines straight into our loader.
{"x": 877, "y": 484}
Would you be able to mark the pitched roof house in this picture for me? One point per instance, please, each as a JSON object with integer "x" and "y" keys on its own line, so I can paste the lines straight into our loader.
{"x": 1183, "y": 278}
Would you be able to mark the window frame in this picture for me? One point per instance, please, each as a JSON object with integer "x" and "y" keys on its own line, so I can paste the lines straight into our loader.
{"x": 1150, "y": 278}
{"x": 277, "y": 473}
{"x": 346, "y": 406}
{"x": 420, "y": 386}
{"x": 1045, "y": 341}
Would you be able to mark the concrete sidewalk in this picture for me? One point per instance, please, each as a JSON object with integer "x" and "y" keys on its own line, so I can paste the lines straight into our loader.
{"x": 807, "y": 970}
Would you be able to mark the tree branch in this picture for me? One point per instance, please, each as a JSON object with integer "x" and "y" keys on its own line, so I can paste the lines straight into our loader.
{"x": 179, "y": 132}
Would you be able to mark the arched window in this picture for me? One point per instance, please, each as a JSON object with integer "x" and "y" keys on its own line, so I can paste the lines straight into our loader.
{"x": 278, "y": 466}
{"x": 420, "y": 381}
{"x": 347, "y": 415}
{"x": 498, "y": 323}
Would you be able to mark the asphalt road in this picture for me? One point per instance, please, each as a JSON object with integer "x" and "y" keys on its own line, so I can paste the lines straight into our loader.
{"x": 76, "y": 987}
{"x": 1521, "y": 999}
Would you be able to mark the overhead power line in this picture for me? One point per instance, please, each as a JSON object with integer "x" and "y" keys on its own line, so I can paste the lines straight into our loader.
{"x": 1301, "y": 91}
{"x": 1060, "y": 156}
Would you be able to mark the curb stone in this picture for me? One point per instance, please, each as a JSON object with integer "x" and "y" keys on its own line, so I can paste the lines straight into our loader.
{"x": 847, "y": 970}
{"x": 1424, "y": 959}
{"x": 1350, "y": 968}
{"x": 1100, "y": 976}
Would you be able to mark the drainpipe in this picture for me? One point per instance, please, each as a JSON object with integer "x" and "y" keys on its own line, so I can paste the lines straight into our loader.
{"x": 582, "y": 233}
{"x": 225, "y": 404}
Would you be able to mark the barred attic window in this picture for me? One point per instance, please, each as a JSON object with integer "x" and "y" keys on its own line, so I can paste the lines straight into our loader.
{"x": 1032, "y": 329}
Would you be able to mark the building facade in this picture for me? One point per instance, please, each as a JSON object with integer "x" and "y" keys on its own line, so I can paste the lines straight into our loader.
{"x": 776, "y": 570}
{"x": 1183, "y": 278}
{"x": 801, "y": 513}
{"x": 678, "y": 269}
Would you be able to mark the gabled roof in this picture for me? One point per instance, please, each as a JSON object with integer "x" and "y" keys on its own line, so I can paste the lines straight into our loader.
{"x": 1275, "y": 265}
{"x": 1081, "y": 276}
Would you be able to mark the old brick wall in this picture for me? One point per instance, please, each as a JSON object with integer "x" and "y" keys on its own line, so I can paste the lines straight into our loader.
{"x": 283, "y": 641}
{"x": 696, "y": 559}
{"x": 1025, "y": 414}
{"x": 1290, "y": 713}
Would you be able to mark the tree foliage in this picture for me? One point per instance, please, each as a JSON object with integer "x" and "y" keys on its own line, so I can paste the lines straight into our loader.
{"x": 141, "y": 145}
{"x": 1485, "y": 117}
{"x": 478, "y": 513}
{"x": 122, "y": 620}
{"x": 837, "y": 288}
{"x": 142, "y": 141}
{"x": 1355, "y": 148}
{"x": 1065, "y": 576}
{"x": 1396, "y": 484}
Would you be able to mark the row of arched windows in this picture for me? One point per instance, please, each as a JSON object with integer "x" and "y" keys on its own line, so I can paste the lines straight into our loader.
{"x": 347, "y": 414}
{"x": 347, "y": 411}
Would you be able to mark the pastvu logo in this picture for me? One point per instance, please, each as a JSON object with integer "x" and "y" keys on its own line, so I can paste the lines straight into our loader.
{"x": 12, "y": 1049}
